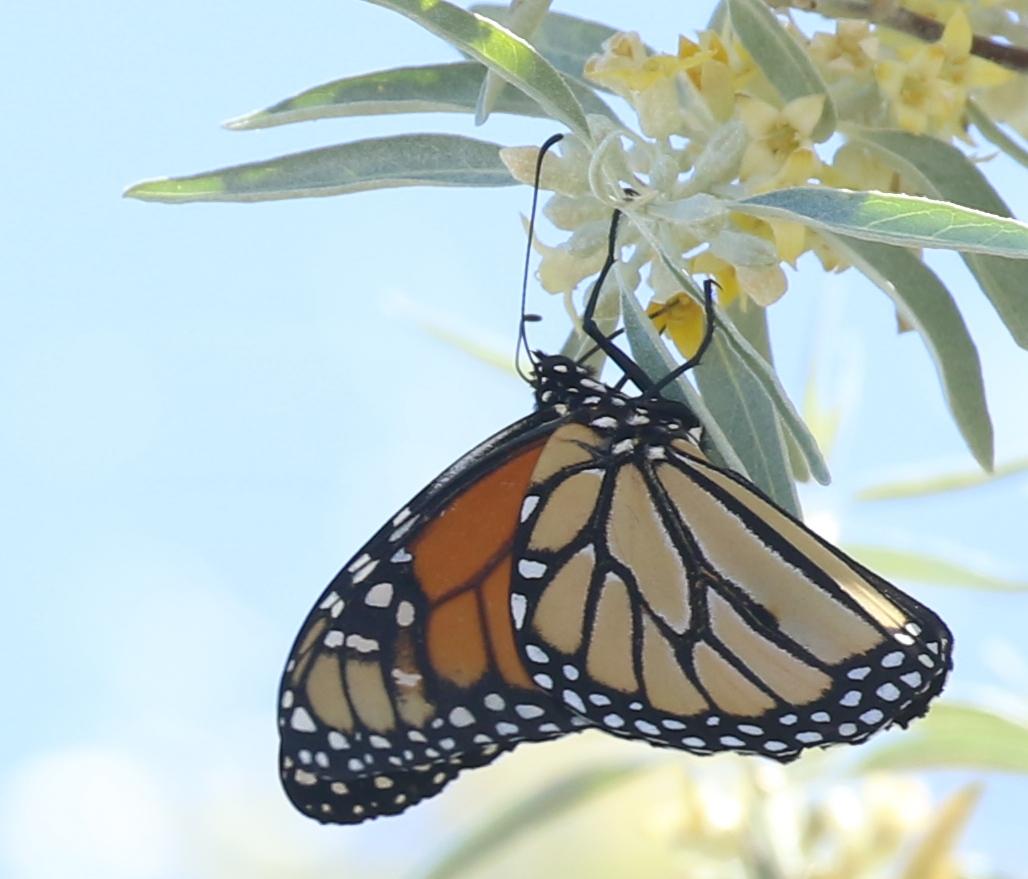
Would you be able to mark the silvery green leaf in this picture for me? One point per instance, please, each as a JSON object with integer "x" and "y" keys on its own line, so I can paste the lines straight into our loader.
{"x": 501, "y": 51}
{"x": 790, "y": 419}
{"x": 890, "y": 218}
{"x": 433, "y": 88}
{"x": 565, "y": 41}
{"x": 925, "y": 303}
{"x": 523, "y": 19}
{"x": 377, "y": 163}
{"x": 943, "y": 171}
{"x": 743, "y": 249}
{"x": 656, "y": 361}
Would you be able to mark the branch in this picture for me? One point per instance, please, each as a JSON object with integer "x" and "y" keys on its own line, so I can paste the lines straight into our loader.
{"x": 890, "y": 14}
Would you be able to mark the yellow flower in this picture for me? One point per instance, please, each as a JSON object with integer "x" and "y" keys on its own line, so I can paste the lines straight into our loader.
{"x": 647, "y": 81}
{"x": 681, "y": 318}
{"x": 927, "y": 88}
{"x": 848, "y": 53}
{"x": 780, "y": 152}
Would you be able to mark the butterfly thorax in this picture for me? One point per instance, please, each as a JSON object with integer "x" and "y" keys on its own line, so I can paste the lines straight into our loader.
{"x": 566, "y": 386}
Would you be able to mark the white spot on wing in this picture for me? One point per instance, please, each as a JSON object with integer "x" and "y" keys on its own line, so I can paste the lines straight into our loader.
{"x": 460, "y": 716}
{"x": 528, "y": 505}
{"x": 301, "y": 720}
{"x": 518, "y": 605}
{"x": 404, "y": 613}
{"x": 531, "y": 570}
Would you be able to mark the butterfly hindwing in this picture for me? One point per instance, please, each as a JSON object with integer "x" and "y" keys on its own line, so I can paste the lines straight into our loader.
{"x": 406, "y": 669}
{"x": 667, "y": 599}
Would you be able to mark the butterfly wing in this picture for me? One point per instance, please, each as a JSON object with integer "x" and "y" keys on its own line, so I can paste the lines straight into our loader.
{"x": 406, "y": 672}
{"x": 668, "y": 599}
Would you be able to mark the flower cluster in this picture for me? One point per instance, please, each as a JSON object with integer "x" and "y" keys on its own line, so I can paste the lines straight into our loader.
{"x": 711, "y": 129}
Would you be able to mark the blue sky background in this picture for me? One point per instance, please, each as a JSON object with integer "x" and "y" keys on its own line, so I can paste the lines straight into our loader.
{"x": 208, "y": 408}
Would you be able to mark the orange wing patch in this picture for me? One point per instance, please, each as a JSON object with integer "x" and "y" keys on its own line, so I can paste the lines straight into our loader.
{"x": 462, "y": 561}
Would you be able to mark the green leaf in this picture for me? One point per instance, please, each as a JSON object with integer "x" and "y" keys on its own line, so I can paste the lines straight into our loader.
{"x": 994, "y": 133}
{"x": 536, "y": 810}
{"x": 941, "y": 483}
{"x": 901, "y": 565}
{"x": 942, "y": 171}
{"x": 906, "y": 220}
{"x": 565, "y": 41}
{"x": 925, "y": 303}
{"x": 378, "y": 163}
{"x": 740, "y": 404}
{"x": 524, "y": 19}
{"x": 501, "y": 51}
{"x": 656, "y": 361}
{"x": 761, "y": 370}
{"x": 751, "y": 322}
{"x": 433, "y": 88}
{"x": 784, "y": 62}
{"x": 955, "y": 737}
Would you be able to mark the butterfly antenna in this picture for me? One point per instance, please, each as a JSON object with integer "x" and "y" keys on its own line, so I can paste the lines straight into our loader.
{"x": 525, "y": 318}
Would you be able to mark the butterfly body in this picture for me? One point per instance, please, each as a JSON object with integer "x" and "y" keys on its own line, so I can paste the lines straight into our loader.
{"x": 589, "y": 567}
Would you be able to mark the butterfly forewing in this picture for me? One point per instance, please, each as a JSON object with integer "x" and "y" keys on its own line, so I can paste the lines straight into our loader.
{"x": 662, "y": 597}
{"x": 406, "y": 670}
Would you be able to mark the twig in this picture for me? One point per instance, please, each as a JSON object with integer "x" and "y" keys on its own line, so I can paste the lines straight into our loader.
{"x": 890, "y": 14}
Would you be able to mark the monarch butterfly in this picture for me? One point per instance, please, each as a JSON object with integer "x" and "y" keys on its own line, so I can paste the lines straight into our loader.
{"x": 590, "y": 567}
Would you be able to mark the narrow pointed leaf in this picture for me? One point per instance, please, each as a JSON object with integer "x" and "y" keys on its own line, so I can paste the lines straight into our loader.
{"x": 656, "y": 361}
{"x": 955, "y": 737}
{"x": 925, "y": 304}
{"x": 433, "y": 88}
{"x": 994, "y": 133}
{"x": 784, "y": 62}
{"x": 941, "y": 483}
{"x": 379, "y": 163}
{"x": 751, "y": 321}
{"x": 943, "y": 172}
{"x": 905, "y": 220}
{"x": 501, "y": 51}
{"x": 741, "y": 406}
{"x": 565, "y": 41}
{"x": 741, "y": 348}
{"x": 536, "y": 810}
{"x": 901, "y": 565}
{"x": 523, "y": 20}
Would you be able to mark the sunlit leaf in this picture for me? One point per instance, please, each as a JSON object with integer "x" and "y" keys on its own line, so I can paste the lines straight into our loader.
{"x": 433, "y": 88}
{"x": 378, "y": 163}
{"x": 941, "y": 483}
{"x": 523, "y": 19}
{"x": 955, "y": 737}
{"x": 928, "y": 307}
{"x": 536, "y": 810}
{"x": 563, "y": 40}
{"x": 901, "y": 565}
{"x": 785, "y": 63}
{"x": 501, "y": 51}
{"x": 906, "y": 220}
{"x": 942, "y": 171}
